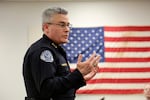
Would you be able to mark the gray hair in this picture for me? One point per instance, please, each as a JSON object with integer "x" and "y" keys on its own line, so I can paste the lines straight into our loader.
{"x": 48, "y": 13}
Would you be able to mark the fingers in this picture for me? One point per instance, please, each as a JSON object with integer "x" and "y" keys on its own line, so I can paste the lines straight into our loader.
{"x": 92, "y": 56}
{"x": 87, "y": 66}
{"x": 89, "y": 76}
{"x": 82, "y": 66}
{"x": 96, "y": 69}
{"x": 95, "y": 60}
{"x": 79, "y": 58}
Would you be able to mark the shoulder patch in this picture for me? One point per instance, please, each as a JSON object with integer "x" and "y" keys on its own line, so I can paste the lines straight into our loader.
{"x": 47, "y": 56}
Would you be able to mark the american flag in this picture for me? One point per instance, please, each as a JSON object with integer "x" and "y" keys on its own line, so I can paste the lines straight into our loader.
{"x": 125, "y": 52}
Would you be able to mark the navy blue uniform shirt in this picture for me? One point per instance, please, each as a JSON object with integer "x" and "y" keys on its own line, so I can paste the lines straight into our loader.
{"x": 47, "y": 74}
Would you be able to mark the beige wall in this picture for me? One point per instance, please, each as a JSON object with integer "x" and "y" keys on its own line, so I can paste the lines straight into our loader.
{"x": 20, "y": 25}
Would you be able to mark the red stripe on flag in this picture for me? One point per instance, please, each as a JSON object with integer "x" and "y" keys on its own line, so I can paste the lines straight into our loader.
{"x": 127, "y": 28}
{"x": 110, "y": 91}
{"x": 120, "y": 39}
{"x": 127, "y": 59}
{"x": 124, "y": 69}
{"x": 127, "y": 49}
{"x": 131, "y": 80}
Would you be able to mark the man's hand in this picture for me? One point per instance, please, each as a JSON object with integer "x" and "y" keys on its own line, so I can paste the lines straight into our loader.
{"x": 89, "y": 66}
{"x": 91, "y": 74}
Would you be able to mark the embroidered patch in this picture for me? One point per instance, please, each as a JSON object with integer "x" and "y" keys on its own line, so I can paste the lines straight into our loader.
{"x": 46, "y": 56}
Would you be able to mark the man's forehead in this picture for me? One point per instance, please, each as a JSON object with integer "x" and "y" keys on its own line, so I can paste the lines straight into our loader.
{"x": 60, "y": 18}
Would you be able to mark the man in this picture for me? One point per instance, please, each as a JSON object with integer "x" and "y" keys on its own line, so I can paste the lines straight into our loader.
{"x": 46, "y": 71}
{"x": 147, "y": 91}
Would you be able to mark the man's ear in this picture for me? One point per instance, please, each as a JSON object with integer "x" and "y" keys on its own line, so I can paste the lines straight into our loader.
{"x": 45, "y": 27}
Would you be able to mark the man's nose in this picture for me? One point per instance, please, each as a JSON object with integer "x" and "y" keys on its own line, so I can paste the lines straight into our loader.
{"x": 67, "y": 29}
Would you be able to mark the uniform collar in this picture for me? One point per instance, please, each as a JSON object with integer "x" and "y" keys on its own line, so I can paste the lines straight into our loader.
{"x": 56, "y": 46}
{"x": 50, "y": 41}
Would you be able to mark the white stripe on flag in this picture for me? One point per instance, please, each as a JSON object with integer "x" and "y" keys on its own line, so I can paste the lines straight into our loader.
{"x": 127, "y": 44}
{"x": 122, "y": 75}
{"x": 128, "y": 34}
{"x": 127, "y": 54}
{"x": 118, "y": 65}
{"x": 113, "y": 86}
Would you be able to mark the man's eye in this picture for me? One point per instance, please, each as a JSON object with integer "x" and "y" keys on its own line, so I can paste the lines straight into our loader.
{"x": 63, "y": 25}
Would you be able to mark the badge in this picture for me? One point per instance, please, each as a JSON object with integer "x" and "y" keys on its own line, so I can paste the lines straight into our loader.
{"x": 47, "y": 56}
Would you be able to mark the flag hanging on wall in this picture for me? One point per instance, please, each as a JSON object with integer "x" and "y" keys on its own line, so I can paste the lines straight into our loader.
{"x": 125, "y": 62}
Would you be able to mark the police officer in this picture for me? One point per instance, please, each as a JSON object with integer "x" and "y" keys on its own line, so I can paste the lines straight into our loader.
{"x": 46, "y": 72}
